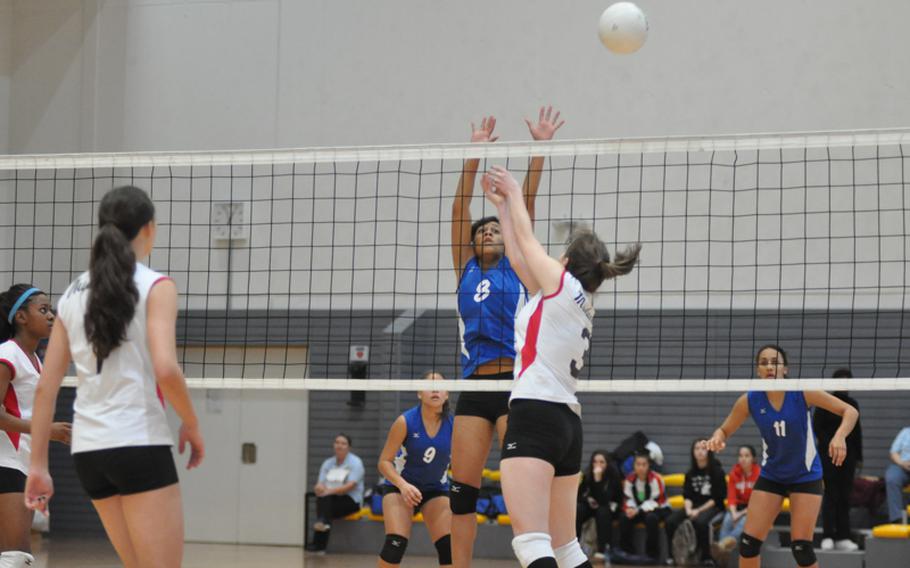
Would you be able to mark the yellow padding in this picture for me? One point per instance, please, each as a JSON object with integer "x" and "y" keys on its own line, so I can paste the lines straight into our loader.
{"x": 675, "y": 479}
{"x": 356, "y": 515}
{"x": 485, "y": 473}
{"x": 492, "y": 475}
{"x": 785, "y": 506}
{"x": 373, "y": 517}
{"x": 891, "y": 531}
{"x": 481, "y": 519}
{"x": 677, "y": 502}
{"x": 418, "y": 518}
{"x": 907, "y": 489}
{"x": 503, "y": 520}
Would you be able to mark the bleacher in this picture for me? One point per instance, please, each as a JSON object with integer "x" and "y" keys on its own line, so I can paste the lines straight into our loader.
{"x": 883, "y": 546}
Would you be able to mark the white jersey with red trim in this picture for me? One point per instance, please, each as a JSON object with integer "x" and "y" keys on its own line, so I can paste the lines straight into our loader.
{"x": 118, "y": 404}
{"x": 15, "y": 447}
{"x": 552, "y": 335}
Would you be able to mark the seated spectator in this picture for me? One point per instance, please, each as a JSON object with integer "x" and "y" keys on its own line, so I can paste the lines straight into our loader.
{"x": 339, "y": 490}
{"x": 898, "y": 475}
{"x": 838, "y": 479}
{"x": 644, "y": 501}
{"x": 739, "y": 488}
{"x": 704, "y": 491}
{"x": 600, "y": 497}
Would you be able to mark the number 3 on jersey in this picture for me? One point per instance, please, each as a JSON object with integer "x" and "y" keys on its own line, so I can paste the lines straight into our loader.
{"x": 575, "y": 366}
{"x": 780, "y": 428}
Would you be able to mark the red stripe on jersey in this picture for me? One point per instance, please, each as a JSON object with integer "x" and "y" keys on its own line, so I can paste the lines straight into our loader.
{"x": 11, "y": 405}
{"x": 160, "y": 279}
{"x": 160, "y": 396}
{"x": 529, "y": 349}
{"x": 12, "y": 368}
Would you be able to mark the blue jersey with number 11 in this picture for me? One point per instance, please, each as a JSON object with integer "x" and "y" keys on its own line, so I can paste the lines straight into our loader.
{"x": 424, "y": 461}
{"x": 789, "y": 454}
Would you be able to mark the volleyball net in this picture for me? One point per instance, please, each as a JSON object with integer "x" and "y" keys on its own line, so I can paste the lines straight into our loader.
{"x": 332, "y": 268}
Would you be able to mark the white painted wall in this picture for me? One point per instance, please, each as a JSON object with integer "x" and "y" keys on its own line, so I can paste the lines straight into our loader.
{"x": 162, "y": 75}
{"x": 6, "y": 67}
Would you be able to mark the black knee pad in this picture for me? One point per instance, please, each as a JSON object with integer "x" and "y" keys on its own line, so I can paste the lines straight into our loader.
{"x": 393, "y": 548}
{"x": 803, "y": 552}
{"x": 749, "y": 546}
{"x": 463, "y": 498}
{"x": 444, "y": 550}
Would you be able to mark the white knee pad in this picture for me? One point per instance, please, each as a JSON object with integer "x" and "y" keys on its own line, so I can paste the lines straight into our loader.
{"x": 529, "y": 547}
{"x": 570, "y": 555}
{"x": 16, "y": 559}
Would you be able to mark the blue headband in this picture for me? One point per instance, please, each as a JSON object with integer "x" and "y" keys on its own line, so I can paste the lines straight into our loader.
{"x": 22, "y": 299}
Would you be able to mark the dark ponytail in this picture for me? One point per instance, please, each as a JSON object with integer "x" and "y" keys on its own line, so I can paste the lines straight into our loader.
{"x": 7, "y": 300}
{"x": 112, "y": 292}
{"x": 589, "y": 260}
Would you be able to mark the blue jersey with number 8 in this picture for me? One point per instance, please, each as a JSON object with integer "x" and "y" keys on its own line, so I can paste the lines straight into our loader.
{"x": 789, "y": 454}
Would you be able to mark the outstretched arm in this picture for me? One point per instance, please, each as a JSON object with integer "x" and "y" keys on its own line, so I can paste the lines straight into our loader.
{"x": 545, "y": 271}
{"x": 837, "y": 449}
{"x": 461, "y": 206}
{"x": 513, "y": 251}
{"x": 734, "y": 420}
{"x": 546, "y": 126}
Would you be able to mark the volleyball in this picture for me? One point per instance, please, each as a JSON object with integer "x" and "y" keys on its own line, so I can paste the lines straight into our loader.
{"x": 623, "y": 28}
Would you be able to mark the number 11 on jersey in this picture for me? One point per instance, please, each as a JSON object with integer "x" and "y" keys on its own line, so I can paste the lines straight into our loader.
{"x": 780, "y": 428}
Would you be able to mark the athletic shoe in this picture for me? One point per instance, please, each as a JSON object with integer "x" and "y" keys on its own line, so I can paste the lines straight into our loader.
{"x": 827, "y": 544}
{"x": 728, "y": 543}
{"x": 846, "y": 545}
{"x": 320, "y": 526}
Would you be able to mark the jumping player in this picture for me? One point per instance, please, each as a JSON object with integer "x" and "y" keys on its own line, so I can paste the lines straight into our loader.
{"x": 415, "y": 463}
{"x": 790, "y": 464}
{"x": 541, "y": 455}
{"x": 490, "y": 294}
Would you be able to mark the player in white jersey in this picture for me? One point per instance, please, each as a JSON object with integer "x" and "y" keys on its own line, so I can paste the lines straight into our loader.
{"x": 26, "y": 318}
{"x": 541, "y": 455}
{"x": 117, "y": 324}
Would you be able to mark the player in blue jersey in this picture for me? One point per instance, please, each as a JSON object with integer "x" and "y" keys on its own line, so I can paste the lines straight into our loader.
{"x": 415, "y": 463}
{"x": 790, "y": 464}
{"x": 489, "y": 296}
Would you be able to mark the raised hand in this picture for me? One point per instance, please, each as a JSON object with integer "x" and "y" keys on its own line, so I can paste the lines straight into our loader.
{"x": 547, "y": 124}
{"x": 497, "y": 199}
{"x": 485, "y": 132}
{"x": 504, "y": 182}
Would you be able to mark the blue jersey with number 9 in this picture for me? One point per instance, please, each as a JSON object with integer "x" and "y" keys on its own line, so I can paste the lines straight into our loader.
{"x": 424, "y": 461}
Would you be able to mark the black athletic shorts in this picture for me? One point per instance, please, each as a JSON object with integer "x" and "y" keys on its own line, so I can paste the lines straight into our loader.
{"x": 125, "y": 471}
{"x": 487, "y": 405}
{"x": 545, "y": 430}
{"x": 816, "y": 487}
{"x": 11, "y": 480}
{"x": 425, "y": 495}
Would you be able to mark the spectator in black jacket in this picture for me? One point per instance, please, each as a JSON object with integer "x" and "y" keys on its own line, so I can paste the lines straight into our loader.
{"x": 704, "y": 492}
{"x": 838, "y": 480}
{"x": 600, "y": 497}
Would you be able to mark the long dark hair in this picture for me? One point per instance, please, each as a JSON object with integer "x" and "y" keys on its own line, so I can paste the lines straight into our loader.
{"x": 112, "y": 292}
{"x": 713, "y": 462}
{"x": 446, "y": 407}
{"x": 589, "y": 260}
{"x": 609, "y": 473}
{"x": 7, "y": 300}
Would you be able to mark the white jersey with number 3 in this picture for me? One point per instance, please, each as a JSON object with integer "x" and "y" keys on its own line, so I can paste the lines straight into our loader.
{"x": 552, "y": 335}
{"x": 118, "y": 404}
